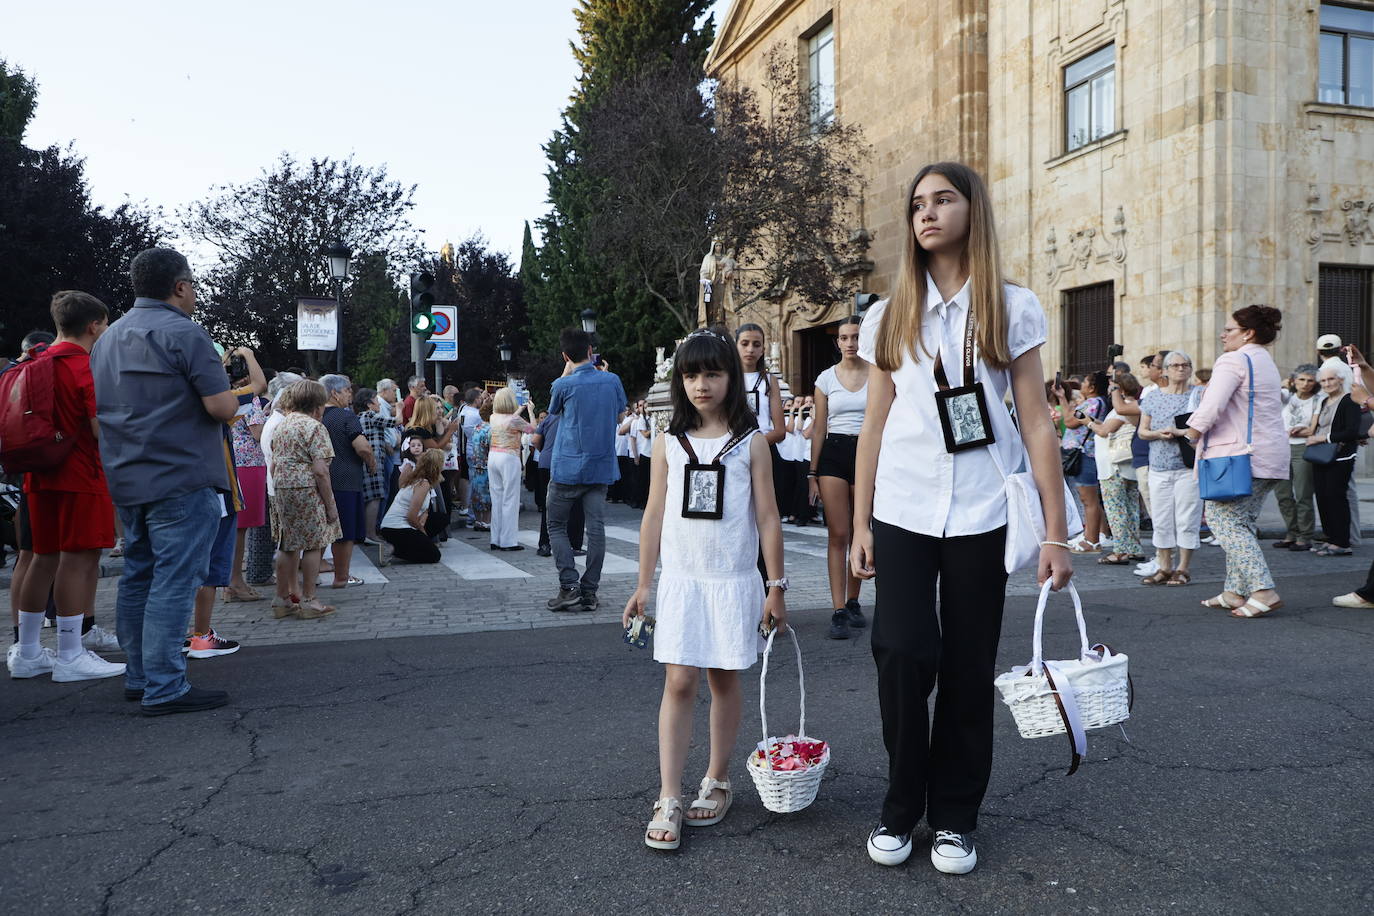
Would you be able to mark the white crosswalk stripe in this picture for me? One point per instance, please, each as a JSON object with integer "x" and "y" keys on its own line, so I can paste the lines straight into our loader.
{"x": 478, "y": 563}
{"x": 612, "y": 565}
{"x": 361, "y": 566}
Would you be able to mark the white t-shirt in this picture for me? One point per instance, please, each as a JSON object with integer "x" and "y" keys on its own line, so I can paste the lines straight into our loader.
{"x": 797, "y": 447}
{"x": 265, "y": 441}
{"x": 921, "y": 487}
{"x": 844, "y": 409}
{"x": 470, "y": 417}
{"x": 1298, "y": 412}
{"x": 756, "y": 395}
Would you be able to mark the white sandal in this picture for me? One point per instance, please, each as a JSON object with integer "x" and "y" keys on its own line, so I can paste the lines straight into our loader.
{"x": 706, "y": 803}
{"x": 663, "y": 811}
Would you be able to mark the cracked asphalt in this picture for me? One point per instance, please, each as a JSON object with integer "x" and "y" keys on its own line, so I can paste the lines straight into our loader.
{"x": 513, "y": 772}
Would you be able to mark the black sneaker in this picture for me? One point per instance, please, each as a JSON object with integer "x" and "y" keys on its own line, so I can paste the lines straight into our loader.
{"x": 590, "y": 602}
{"x": 953, "y": 853}
{"x": 888, "y": 848}
{"x": 194, "y": 700}
{"x": 567, "y": 599}
{"x": 856, "y": 616}
{"x": 544, "y": 550}
{"x": 839, "y": 624}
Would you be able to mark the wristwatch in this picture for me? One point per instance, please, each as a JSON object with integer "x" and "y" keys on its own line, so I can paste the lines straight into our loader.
{"x": 780, "y": 583}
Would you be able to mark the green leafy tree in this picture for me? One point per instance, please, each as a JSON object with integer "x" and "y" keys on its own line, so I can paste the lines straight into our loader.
{"x": 379, "y": 347}
{"x": 51, "y": 236}
{"x": 616, "y": 40}
{"x": 268, "y": 235}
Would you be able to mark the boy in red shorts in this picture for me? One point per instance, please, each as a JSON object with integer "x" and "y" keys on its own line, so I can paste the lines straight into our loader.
{"x": 71, "y": 517}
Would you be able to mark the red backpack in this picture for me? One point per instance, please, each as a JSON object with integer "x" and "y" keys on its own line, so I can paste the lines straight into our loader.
{"x": 29, "y": 437}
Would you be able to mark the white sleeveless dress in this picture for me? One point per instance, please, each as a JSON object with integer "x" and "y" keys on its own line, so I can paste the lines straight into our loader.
{"x": 710, "y": 600}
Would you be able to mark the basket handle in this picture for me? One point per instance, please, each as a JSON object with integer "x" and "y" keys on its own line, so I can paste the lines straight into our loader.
{"x": 763, "y": 683}
{"x": 1037, "y": 656}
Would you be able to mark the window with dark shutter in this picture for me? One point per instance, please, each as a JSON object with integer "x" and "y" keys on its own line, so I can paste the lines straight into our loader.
{"x": 1345, "y": 296}
{"x": 1088, "y": 327}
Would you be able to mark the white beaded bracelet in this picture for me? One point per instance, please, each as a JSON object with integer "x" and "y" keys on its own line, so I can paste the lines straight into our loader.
{"x": 1056, "y": 544}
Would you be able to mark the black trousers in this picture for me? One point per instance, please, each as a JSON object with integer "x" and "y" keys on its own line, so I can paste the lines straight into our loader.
{"x": 1329, "y": 483}
{"x": 577, "y": 519}
{"x": 941, "y": 771}
{"x": 416, "y": 546}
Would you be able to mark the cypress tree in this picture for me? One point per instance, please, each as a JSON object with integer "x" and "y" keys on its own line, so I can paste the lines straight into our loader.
{"x": 616, "y": 39}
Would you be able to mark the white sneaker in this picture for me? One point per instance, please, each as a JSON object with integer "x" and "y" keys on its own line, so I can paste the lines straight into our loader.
{"x": 29, "y": 667}
{"x": 1148, "y": 568}
{"x": 99, "y": 639}
{"x": 953, "y": 853}
{"x": 888, "y": 848}
{"x": 85, "y": 667}
{"x": 1105, "y": 542}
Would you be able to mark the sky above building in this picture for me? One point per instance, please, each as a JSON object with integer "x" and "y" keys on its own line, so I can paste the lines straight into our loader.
{"x": 168, "y": 100}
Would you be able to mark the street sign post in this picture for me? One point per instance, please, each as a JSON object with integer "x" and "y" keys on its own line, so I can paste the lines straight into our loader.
{"x": 445, "y": 336}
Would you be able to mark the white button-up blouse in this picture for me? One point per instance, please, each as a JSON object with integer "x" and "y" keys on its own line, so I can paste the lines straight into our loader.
{"x": 921, "y": 487}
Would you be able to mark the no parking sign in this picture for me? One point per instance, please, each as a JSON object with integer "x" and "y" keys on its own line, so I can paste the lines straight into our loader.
{"x": 445, "y": 336}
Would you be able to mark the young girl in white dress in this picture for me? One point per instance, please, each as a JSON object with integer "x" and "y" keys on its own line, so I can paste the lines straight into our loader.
{"x": 709, "y": 607}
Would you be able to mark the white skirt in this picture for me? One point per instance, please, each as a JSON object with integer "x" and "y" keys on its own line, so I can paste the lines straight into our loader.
{"x": 709, "y": 622}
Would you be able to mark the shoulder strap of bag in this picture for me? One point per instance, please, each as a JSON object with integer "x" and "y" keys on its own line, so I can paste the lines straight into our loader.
{"x": 1067, "y": 706}
{"x": 1250, "y": 417}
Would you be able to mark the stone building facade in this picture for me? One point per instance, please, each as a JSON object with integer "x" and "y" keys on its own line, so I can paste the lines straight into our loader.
{"x": 1154, "y": 164}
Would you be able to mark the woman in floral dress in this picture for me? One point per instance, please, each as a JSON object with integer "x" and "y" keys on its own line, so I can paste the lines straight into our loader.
{"x": 479, "y": 481}
{"x": 305, "y": 519}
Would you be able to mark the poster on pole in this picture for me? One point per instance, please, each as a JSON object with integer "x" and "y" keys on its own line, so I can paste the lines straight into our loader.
{"x": 317, "y": 324}
{"x": 445, "y": 336}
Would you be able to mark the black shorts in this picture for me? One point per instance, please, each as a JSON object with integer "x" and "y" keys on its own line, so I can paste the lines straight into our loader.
{"x": 837, "y": 457}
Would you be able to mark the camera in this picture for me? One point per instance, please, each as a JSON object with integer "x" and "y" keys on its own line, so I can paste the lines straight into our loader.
{"x": 1114, "y": 350}
{"x": 237, "y": 368}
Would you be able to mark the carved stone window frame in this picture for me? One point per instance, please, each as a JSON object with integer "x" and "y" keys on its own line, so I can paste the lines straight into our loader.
{"x": 1063, "y": 51}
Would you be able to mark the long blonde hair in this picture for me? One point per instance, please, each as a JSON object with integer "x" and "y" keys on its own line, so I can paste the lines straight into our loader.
{"x": 425, "y": 415}
{"x": 899, "y": 332}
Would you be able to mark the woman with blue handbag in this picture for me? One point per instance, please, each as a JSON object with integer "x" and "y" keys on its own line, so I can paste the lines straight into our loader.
{"x": 1243, "y": 455}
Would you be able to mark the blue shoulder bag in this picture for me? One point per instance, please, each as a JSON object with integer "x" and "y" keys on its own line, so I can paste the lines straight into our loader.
{"x": 1227, "y": 478}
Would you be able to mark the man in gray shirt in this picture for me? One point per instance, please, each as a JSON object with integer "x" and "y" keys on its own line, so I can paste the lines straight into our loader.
{"x": 162, "y": 396}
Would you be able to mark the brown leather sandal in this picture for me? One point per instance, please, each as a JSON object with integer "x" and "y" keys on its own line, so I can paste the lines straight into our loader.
{"x": 1180, "y": 577}
{"x": 1159, "y": 578}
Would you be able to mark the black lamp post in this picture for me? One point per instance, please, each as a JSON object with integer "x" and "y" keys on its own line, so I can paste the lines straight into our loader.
{"x": 339, "y": 256}
{"x": 589, "y": 321}
{"x": 504, "y": 348}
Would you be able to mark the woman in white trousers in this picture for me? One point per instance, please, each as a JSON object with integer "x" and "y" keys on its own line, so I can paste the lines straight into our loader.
{"x": 508, "y": 422}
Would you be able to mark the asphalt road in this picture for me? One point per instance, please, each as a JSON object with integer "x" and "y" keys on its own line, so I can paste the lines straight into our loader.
{"x": 514, "y": 772}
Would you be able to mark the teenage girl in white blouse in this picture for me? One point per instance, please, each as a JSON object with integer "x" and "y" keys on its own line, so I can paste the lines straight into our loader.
{"x": 925, "y": 517}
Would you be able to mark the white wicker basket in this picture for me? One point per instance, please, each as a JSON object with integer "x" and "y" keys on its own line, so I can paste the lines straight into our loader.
{"x": 1055, "y": 698}
{"x": 785, "y": 791}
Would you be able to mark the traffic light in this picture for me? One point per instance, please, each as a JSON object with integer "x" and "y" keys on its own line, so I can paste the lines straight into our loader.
{"x": 421, "y": 303}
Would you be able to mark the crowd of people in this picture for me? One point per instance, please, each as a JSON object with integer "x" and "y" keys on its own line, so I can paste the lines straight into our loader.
{"x": 209, "y": 477}
{"x": 1130, "y": 444}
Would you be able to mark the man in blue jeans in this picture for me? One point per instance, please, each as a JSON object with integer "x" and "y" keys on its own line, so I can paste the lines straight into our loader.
{"x": 583, "y": 466}
{"x": 162, "y": 396}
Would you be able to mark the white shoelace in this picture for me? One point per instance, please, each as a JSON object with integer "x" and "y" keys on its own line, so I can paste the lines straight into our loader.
{"x": 949, "y": 837}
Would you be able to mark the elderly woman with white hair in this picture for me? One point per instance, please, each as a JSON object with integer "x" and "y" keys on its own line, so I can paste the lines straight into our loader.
{"x": 1332, "y": 443}
{"x": 1175, "y": 506}
{"x": 503, "y": 467}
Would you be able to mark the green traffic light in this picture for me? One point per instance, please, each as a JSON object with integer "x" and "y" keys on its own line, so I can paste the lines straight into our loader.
{"x": 422, "y": 323}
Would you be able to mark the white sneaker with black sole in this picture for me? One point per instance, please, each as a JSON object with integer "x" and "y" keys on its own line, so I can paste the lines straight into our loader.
{"x": 888, "y": 848}
{"x": 953, "y": 853}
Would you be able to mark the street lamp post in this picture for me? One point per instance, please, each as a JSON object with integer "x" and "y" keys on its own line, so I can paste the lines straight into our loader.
{"x": 505, "y": 350}
{"x": 339, "y": 256}
{"x": 589, "y": 325}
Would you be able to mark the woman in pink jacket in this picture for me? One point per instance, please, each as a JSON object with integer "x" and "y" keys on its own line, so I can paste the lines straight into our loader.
{"x": 1221, "y": 420}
